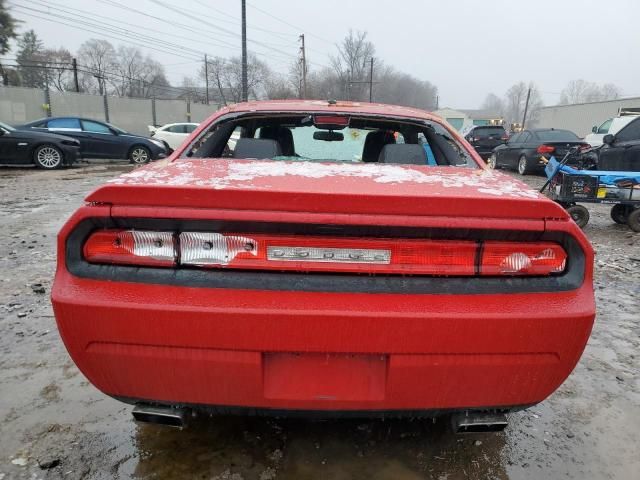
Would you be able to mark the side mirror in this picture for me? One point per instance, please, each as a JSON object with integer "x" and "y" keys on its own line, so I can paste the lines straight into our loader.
{"x": 594, "y": 129}
{"x": 113, "y": 132}
{"x": 608, "y": 139}
{"x": 2, "y": 131}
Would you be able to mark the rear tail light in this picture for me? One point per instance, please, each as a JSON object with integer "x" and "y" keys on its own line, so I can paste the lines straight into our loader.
{"x": 504, "y": 137}
{"x": 279, "y": 252}
{"x": 323, "y": 254}
{"x": 503, "y": 258}
{"x": 131, "y": 247}
{"x": 546, "y": 149}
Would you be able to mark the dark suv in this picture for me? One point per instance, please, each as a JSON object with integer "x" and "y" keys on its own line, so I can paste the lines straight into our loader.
{"x": 484, "y": 138}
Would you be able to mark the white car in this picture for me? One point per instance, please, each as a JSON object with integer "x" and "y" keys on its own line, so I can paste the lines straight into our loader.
{"x": 610, "y": 125}
{"x": 173, "y": 133}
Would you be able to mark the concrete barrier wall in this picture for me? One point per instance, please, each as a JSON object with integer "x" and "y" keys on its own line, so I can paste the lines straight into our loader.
{"x": 130, "y": 114}
{"x": 200, "y": 111}
{"x": 20, "y": 105}
{"x": 171, "y": 111}
{"x": 77, "y": 105}
{"x": 579, "y": 118}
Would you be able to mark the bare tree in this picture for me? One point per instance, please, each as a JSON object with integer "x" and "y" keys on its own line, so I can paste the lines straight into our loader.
{"x": 278, "y": 87}
{"x": 581, "y": 91}
{"x": 192, "y": 89}
{"x": 59, "y": 65}
{"x": 493, "y": 103}
{"x": 97, "y": 58}
{"x": 610, "y": 91}
{"x": 350, "y": 65}
{"x": 515, "y": 100}
{"x": 226, "y": 75}
{"x": 402, "y": 89}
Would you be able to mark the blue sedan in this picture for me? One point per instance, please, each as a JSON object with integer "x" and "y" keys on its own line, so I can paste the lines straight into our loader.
{"x": 102, "y": 140}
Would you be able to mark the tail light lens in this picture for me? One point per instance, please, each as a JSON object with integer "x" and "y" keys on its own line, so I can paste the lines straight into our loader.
{"x": 131, "y": 247}
{"x": 503, "y": 258}
{"x": 279, "y": 252}
{"x": 323, "y": 254}
{"x": 546, "y": 149}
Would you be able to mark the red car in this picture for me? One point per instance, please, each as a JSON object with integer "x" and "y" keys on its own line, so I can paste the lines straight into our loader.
{"x": 317, "y": 257}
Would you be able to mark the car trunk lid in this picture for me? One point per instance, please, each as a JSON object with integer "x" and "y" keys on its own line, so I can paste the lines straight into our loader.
{"x": 327, "y": 188}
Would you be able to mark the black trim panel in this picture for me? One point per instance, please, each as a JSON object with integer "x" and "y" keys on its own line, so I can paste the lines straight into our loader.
{"x": 318, "y": 414}
{"x": 571, "y": 279}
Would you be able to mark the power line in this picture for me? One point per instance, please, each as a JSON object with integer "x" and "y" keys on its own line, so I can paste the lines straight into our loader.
{"x": 289, "y": 24}
{"x": 205, "y": 22}
{"x": 175, "y": 24}
{"x": 102, "y": 33}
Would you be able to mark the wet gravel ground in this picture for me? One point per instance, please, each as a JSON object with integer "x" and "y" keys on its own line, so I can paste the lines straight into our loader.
{"x": 55, "y": 425}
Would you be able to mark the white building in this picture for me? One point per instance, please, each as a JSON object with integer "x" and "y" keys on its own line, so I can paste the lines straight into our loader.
{"x": 581, "y": 117}
{"x": 463, "y": 119}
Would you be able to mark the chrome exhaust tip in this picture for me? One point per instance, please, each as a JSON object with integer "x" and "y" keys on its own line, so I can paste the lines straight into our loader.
{"x": 479, "y": 422}
{"x": 169, "y": 416}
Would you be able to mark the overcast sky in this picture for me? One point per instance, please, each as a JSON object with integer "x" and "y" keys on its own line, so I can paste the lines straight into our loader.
{"x": 466, "y": 48}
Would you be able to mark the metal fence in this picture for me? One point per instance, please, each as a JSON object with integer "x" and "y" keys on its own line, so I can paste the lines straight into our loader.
{"x": 19, "y": 105}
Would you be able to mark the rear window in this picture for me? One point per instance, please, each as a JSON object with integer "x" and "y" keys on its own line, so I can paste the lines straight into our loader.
{"x": 488, "y": 131}
{"x": 557, "y": 136}
{"x": 354, "y": 139}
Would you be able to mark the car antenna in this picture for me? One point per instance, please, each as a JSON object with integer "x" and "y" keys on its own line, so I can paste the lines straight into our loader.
{"x": 332, "y": 101}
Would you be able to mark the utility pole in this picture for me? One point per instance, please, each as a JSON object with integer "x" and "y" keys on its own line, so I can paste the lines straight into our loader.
{"x": 245, "y": 86}
{"x": 437, "y": 102}
{"x": 371, "y": 81}
{"x": 526, "y": 107}
{"x": 75, "y": 74}
{"x": 304, "y": 67}
{"x": 206, "y": 78}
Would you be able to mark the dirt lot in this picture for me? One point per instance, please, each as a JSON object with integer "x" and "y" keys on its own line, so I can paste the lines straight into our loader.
{"x": 54, "y": 424}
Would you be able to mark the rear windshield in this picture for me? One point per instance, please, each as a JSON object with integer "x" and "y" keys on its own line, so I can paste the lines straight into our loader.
{"x": 312, "y": 137}
{"x": 557, "y": 136}
{"x": 486, "y": 131}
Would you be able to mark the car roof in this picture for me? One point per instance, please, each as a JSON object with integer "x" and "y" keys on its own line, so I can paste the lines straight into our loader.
{"x": 335, "y": 107}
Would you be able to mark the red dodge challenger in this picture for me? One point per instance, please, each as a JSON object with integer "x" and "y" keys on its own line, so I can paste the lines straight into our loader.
{"x": 323, "y": 258}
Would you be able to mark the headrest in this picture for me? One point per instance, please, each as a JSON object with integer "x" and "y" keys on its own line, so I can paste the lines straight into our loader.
{"x": 283, "y": 136}
{"x": 373, "y": 144}
{"x": 403, "y": 153}
{"x": 256, "y": 148}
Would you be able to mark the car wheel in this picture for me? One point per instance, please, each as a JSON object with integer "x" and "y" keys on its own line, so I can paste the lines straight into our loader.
{"x": 634, "y": 220}
{"x": 139, "y": 155}
{"x": 523, "y": 165}
{"x": 619, "y": 213}
{"x": 493, "y": 162}
{"x": 48, "y": 157}
{"x": 579, "y": 214}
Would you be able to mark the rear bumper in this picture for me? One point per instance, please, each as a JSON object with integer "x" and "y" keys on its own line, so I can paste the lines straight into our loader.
{"x": 321, "y": 351}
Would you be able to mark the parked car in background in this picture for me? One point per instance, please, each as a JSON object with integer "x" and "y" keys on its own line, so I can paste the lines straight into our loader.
{"x": 44, "y": 150}
{"x": 609, "y": 126}
{"x": 526, "y": 151}
{"x": 101, "y": 140}
{"x": 621, "y": 151}
{"x": 173, "y": 133}
{"x": 484, "y": 138}
{"x": 303, "y": 257}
